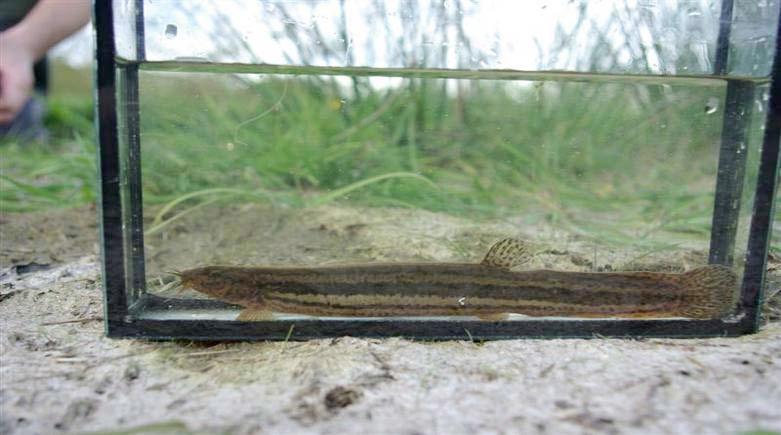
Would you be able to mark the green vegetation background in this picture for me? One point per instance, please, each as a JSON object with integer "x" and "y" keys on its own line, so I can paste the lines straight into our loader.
{"x": 616, "y": 163}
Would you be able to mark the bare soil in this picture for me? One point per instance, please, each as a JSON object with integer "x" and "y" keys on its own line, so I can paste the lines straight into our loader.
{"x": 58, "y": 374}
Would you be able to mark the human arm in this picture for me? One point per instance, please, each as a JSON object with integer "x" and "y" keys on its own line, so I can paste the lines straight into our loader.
{"x": 48, "y": 23}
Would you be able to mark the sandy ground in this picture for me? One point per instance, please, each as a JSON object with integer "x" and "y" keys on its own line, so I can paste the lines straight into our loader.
{"x": 58, "y": 374}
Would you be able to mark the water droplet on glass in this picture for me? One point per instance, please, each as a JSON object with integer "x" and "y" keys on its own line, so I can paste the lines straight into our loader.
{"x": 170, "y": 31}
{"x": 712, "y": 105}
{"x": 693, "y": 12}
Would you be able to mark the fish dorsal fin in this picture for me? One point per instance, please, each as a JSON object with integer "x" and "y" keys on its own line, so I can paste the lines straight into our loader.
{"x": 507, "y": 253}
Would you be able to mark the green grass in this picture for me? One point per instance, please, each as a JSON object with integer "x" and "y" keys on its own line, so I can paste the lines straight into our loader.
{"x": 35, "y": 177}
{"x": 572, "y": 154}
{"x": 616, "y": 163}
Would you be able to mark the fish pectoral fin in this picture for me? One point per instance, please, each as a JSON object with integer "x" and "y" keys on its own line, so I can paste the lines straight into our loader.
{"x": 254, "y": 315}
{"x": 507, "y": 254}
{"x": 495, "y": 317}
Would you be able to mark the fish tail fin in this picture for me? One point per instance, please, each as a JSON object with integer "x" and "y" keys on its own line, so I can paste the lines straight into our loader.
{"x": 715, "y": 289}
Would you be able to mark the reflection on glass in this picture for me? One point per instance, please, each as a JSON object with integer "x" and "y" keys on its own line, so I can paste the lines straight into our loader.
{"x": 659, "y": 37}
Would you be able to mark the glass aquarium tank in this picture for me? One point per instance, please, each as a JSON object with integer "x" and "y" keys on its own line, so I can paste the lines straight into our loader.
{"x": 436, "y": 169}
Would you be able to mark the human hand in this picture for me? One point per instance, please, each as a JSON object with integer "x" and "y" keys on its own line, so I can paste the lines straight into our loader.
{"x": 16, "y": 76}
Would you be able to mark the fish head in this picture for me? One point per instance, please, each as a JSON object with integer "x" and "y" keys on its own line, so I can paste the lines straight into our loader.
{"x": 225, "y": 283}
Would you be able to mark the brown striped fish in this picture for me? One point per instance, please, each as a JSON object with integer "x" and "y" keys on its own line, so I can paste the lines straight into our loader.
{"x": 489, "y": 290}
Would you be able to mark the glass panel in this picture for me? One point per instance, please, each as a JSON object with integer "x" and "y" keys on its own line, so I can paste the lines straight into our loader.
{"x": 125, "y": 28}
{"x": 307, "y": 169}
{"x": 753, "y": 37}
{"x": 627, "y": 37}
{"x": 385, "y": 159}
